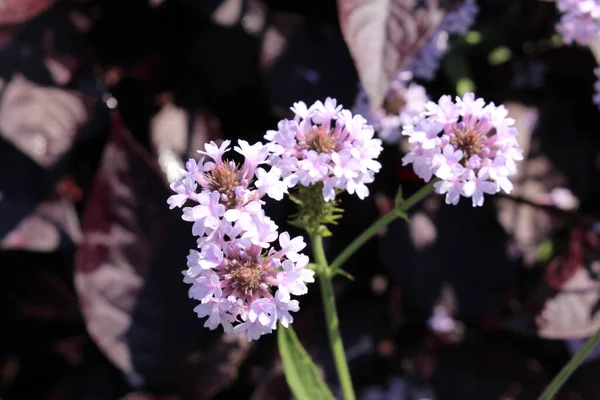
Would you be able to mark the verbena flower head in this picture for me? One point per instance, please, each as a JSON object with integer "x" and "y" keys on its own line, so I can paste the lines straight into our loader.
{"x": 403, "y": 102}
{"x": 580, "y": 21}
{"x": 456, "y": 21}
{"x": 241, "y": 281}
{"x": 325, "y": 144}
{"x": 224, "y": 189}
{"x": 243, "y": 285}
{"x": 469, "y": 145}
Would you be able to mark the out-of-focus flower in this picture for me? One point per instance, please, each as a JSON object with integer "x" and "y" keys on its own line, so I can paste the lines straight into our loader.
{"x": 398, "y": 388}
{"x": 528, "y": 74}
{"x": 403, "y": 102}
{"x": 457, "y": 21}
{"x": 597, "y": 86}
{"x": 470, "y": 146}
{"x": 325, "y": 144}
{"x": 580, "y": 21}
{"x": 441, "y": 321}
{"x": 155, "y": 3}
{"x": 426, "y": 63}
{"x": 562, "y": 198}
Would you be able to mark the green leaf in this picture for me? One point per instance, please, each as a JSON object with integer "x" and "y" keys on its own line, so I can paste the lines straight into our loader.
{"x": 301, "y": 373}
{"x": 402, "y": 214}
{"x": 344, "y": 273}
{"x": 399, "y": 198}
{"x": 295, "y": 199}
{"x": 324, "y": 231}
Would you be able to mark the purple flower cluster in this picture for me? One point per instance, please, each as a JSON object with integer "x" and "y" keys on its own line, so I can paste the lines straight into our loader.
{"x": 325, "y": 143}
{"x": 580, "y": 20}
{"x": 457, "y": 21}
{"x": 245, "y": 283}
{"x": 234, "y": 280}
{"x": 403, "y": 102}
{"x": 242, "y": 282}
{"x": 470, "y": 146}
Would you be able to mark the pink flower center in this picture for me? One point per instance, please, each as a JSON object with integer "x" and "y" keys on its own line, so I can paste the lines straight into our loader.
{"x": 225, "y": 178}
{"x": 247, "y": 278}
{"x": 320, "y": 140}
{"x": 470, "y": 140}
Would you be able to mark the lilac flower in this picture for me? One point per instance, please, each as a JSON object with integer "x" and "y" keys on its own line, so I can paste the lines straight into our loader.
{"x": 580, "y": 21}
{"x": 243, "y": 287}
{"x": 403, "y": 102}
{"x": 227, "y": 190}
{"x": 457, "y": 21}
{"x": 206, "y": 215}
{"x": 476, "y": 186}
{"x": 325, "y": 144}
{"x": 270, "y": 183}
{"x": 470, "y": 146}
{"x": 185, "y": 189}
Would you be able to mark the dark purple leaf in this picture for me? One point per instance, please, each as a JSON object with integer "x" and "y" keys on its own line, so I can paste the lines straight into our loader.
{"x": 128, "y": 276}
{"x": 565, "y": 303}
{"x": 276, "y": 37}
{"x": 48, "y": 298}
{"x": 40, "y": 121}
{"x": 383, "y": 36}
{"x": 19, "y": 11}
{"x": 50, "y": 223}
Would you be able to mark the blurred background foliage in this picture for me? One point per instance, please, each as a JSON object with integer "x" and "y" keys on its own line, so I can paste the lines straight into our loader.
{"x": 99, "y": 313}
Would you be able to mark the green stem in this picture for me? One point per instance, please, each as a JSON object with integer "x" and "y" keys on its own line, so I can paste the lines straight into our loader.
{"x": 394, "y": 214}
{"x": 571, "y": 366}
{"x": 331, "y": 319}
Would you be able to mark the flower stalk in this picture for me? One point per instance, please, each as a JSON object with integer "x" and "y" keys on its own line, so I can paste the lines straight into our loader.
{"x": 564, "y": 374}
{"x": 325, "y": 273}
{"x": 331, "y": 319}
